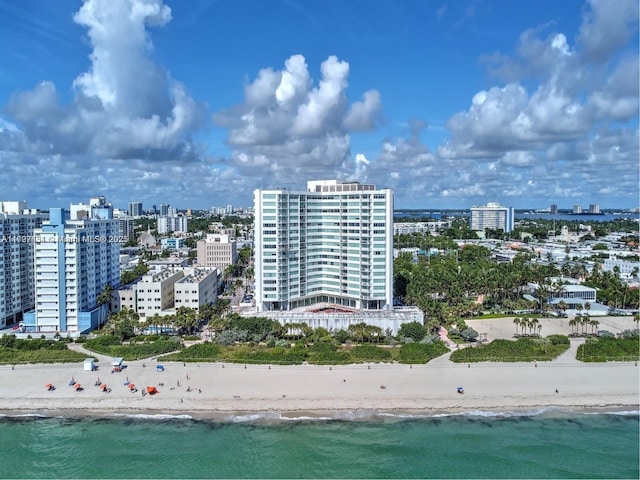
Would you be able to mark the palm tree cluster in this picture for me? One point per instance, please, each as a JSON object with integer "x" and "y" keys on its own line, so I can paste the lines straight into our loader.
{"x": 447, "y": 287}
{"x": 581, "y": 323}
{"x": 126, "y": 323}
{"x": 612, "y": 290}
{"x": 532, "y": 325}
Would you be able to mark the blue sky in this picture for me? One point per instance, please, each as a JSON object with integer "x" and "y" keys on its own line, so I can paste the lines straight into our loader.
{"x": 197, "y": 103}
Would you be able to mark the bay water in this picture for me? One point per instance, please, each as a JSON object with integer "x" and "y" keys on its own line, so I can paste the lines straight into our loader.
{"x": 549, "y": 443}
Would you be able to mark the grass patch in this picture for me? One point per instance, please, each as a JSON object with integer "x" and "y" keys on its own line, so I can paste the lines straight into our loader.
{"x": 17, "y": 351}
{"x": 520, "y": 350}
{"x": 370, "y": 353}
{"x": 609, "y": 350}
{"x": 320, "y": 353}
{"x": 420, "y": 352}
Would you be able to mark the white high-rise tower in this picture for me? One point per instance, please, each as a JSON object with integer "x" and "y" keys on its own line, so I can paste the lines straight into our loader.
{"x": 332, "y": 243}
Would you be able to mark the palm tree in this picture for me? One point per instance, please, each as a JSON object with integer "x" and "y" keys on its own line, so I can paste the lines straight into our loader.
{"x": 525, "y": 323}
{"x": 562, "y": 305}
{"x": 516, "y": 322}
{"x": 594, "y": 325}
{"x": 587, "y": 307}
{"x": 534, "y": 323}
{"x": 154, "y": 321}
{"x": 584, "y": 322}
{"x": 572, "y": 323}
{"x": 105, "y": 296}
{"x": 186, "y": 319}
{"x": 544, "y": 291}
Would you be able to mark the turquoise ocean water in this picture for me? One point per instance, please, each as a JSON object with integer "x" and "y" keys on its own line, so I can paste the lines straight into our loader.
{"x": 547, "y": 444}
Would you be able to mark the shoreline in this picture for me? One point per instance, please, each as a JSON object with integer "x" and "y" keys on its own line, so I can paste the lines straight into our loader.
{"x": 332, "y": 415}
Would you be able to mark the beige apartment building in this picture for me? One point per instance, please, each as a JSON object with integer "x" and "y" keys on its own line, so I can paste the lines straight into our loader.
{"x": 217, "y": 250}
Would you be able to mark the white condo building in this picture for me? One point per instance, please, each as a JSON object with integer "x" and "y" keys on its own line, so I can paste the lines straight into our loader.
{"x": 198, "y": 287}
{"x": 17, "y": 286}
{"x": 332, "y": 243}
{"x": 74, "y": 260}
{"x": 155, "y": 292}
{"x": 492, "y": 215}
{"x": 167, "y": 289}
{"x": 172, "y": 223}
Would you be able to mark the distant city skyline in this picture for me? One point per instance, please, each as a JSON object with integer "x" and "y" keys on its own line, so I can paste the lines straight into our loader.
{"x": 224, "y": 209}
{"x": 450, "y": 104}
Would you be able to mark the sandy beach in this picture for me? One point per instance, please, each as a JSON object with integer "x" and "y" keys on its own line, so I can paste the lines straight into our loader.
{"x": 213, "y": 390}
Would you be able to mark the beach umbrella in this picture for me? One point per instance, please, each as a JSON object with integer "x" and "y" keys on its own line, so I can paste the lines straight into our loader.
{"x": 77, "y": 386}
{"x": 152, "y": 390}
{"x": 49, "y": 386}
{"x": 103, "y": 386}
{"x": 131, "y": 386}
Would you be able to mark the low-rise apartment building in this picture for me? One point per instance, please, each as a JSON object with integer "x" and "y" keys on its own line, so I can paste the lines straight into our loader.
{"x": 165, "y": 290}
{"x": 155, "y": 292}
{"x": 198, "y": 287}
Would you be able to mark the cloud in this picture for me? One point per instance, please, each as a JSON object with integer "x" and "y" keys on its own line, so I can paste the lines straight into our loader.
{"x": 125, "y": 105}
{"x": 288, "y": 126}
{"x": 563, "y": 125}
{"x": 607, "y": 27}
{"x": 572, "y": 100}
{"x": 559, "y": 121}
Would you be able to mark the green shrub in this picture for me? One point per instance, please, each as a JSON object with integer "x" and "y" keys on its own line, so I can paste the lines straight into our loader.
{"x": 277, "y": 355}
{"x": 341, "y": 336}
{"x": 370, "y": 353}
{"x": 469, "y": 335}
{"x": 413, "y": 330}
{"x": 200, "y": 352}
{"x": 558, "y": 340}
{"x": 421, "y": 352}
{"x": 14, "y": 350}
{"x": 609, "y": 349}
{"x": 102, "y": 341}
{"x": 329, "y": 356}
{"x": 520, "y": 350}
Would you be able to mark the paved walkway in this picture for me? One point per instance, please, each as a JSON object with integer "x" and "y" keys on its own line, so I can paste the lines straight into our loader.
{"x": 106, "y": 359}
{"x": 102, "y": 359}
